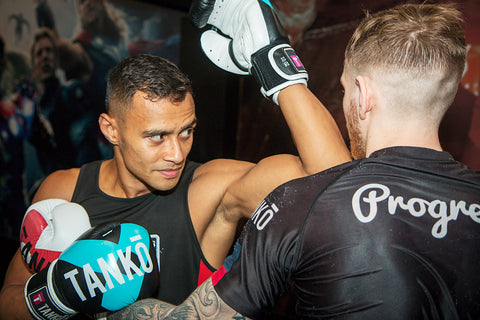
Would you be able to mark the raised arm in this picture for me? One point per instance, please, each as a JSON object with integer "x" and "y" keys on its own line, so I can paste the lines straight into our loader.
{"x": 316, "y": 135}
{"x": 247, "y": 38}
{"x": 319, "y": 143}
{"x": 203, "y": 303}
{"x": 256, "y": 44}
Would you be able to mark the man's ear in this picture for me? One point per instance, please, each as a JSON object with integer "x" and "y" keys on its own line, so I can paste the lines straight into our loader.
{"x": 365, "y": 99}
{"x": 109, "y": 128}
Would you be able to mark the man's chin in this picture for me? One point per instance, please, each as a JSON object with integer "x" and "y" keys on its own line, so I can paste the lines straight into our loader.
{"x": 167, "y": 185}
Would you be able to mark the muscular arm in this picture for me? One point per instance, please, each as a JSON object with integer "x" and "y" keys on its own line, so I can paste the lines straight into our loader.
{"x": 203, "y": 303}
{"x": 319, "y": 143}
{"x": 318, "y": 140}
{"x": 59, "y": 184}
{"x": 239, "y": 188}
{"x": 214, "y": 228}
{"x": 12, "y": 300}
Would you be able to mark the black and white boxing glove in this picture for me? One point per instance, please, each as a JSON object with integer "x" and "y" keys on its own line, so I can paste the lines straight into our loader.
{"x": 246, "y": 37}
{"x": 49, "y": 227}
{"x": 106, "y": 269}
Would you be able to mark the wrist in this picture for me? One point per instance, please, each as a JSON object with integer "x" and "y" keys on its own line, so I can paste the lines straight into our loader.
{"x": 42, "y": 302}
{"x": 292, "y": 91}
{"x": 276, "y": 67}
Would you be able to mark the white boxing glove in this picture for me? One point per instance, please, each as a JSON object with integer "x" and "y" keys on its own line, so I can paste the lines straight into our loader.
{"x": 246, "y": 37}
{"x": 49, "y": 227}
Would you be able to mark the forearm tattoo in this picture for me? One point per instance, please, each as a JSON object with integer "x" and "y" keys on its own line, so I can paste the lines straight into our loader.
{"x": 203, "y": 303}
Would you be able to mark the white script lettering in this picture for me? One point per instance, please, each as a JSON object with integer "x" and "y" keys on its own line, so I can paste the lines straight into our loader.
{"x": 374, "y": 193}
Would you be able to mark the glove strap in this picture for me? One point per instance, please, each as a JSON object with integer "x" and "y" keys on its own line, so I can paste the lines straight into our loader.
{"x": 42, "y": 302}
{"x": 275, "y": 67}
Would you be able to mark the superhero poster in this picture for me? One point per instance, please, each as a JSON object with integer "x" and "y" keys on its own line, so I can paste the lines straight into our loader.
{"x": 51, "y": 95}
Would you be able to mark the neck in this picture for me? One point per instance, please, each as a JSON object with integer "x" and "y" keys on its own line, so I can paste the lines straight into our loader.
{"x": 411, "y": 133}
{"x": 116, "y": 181}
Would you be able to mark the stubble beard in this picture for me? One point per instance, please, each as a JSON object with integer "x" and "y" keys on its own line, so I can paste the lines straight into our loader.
{"x": 357, "y": 145}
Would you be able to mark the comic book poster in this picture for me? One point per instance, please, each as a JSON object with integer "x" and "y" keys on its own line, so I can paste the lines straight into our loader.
{"x": 55, "y": 59}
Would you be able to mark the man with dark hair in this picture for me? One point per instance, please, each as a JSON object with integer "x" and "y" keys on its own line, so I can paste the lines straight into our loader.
{"x": 395, "y": 235}
{"x": 184, "y": 205}
{"x": 101, "y": 43}
{"x": 65, "y": 133}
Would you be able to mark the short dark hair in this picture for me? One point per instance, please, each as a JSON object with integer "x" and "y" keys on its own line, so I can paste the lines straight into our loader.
{"x": 155, "y": 76}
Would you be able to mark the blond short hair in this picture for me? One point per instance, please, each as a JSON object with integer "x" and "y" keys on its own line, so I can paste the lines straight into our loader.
{"x": 415, "y": 38}
{"x": 417, "y": 53}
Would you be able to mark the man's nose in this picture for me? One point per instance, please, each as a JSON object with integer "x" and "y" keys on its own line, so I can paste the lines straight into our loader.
{"x": 174, "y": 152}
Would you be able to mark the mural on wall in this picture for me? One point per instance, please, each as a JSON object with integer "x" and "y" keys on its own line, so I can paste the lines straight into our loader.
{"x": 54, "y": 60}
{"x": 471, "y": 83}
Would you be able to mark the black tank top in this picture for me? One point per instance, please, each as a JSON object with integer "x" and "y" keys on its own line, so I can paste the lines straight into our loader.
{"x": 167, "y": 218}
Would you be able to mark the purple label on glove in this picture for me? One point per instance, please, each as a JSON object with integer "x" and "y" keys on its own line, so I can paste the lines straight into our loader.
{"x": 296, "y": 60}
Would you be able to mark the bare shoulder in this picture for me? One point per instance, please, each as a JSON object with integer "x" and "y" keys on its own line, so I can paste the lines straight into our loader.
{"x": 59, "y": 184}
{"x": 282, "y": 166}
{"x": 213, "y": 179}
{"x": 222, "y": 168}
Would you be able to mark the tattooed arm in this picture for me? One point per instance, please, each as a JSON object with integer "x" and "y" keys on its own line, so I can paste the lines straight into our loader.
{"x": 203, "y": 303}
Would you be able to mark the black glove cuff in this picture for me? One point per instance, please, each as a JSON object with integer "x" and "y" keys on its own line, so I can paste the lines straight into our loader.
{"x": 40, "y": 302}
{"x": 275, "y": 67}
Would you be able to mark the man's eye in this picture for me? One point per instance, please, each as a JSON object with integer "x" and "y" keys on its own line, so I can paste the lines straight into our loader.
{"x": 187, "y": 132}
{"x": 157, "y": 137}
